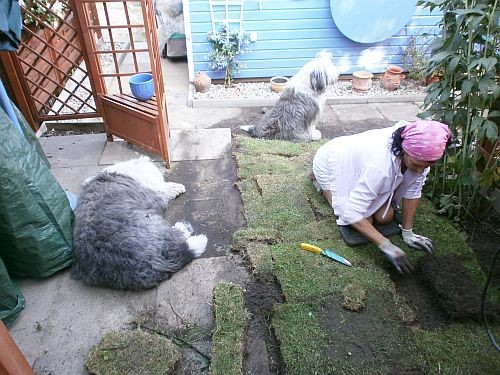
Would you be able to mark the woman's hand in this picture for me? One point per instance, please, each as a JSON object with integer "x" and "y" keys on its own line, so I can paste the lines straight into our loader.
{"x": 396, "y": 256}
{"x": 417, "y": 242}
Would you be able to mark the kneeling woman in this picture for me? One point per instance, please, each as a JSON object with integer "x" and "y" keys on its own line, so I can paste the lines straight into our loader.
{"x": 363, "y": 176}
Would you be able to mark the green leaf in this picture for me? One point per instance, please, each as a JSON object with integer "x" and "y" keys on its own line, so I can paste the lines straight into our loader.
{"x": 454, "y": 63}
{"x": 467, "y": 180}
{"x": 467, "y": 11}
{"x": 445, "y": 94}
{"x": 495, "y": 113}
{"x": 475, "y": 101}
{"x": 491, "y": 130}
{"x": 476, "y": 123}
{"x": 489, "y": 62}
{"x": 431, "y": 96}
{"x": 475, "y": 64}
{"x": 440, "y": 56}
{"x": 448, "y": 117}
{"x": 496, "y": 92}
{"x": 467, "y": 87}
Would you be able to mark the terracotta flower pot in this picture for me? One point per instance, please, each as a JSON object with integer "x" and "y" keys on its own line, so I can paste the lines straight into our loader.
{"x": 361, "y": 80}
{"x": 392, "y": 77}
{"x": 393, "y": 70}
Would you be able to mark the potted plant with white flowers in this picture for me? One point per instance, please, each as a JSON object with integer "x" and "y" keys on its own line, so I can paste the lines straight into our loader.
{"x": 228, "y": 45}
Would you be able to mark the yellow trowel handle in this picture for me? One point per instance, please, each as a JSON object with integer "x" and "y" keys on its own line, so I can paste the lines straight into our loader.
{"x": 311, "y": 248}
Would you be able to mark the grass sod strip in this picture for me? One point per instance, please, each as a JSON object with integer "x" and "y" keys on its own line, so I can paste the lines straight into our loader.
{"x": 230, "y": 323}
{"x": 277, "y": 195}
{"x": 135, "y": 352}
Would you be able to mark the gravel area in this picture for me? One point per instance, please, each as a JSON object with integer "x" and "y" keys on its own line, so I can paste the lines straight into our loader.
{"x": 343, "y": 88}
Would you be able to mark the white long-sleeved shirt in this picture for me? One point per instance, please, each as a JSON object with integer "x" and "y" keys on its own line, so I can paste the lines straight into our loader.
{"x": 362, "y": 174}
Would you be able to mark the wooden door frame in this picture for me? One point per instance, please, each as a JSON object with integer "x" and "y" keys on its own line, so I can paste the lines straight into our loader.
{"x": 109, "y": 102}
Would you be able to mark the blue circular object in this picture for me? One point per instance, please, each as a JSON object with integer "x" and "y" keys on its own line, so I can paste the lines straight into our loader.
{"x": 370, "y": 21}
{"x": 142, "y": 86}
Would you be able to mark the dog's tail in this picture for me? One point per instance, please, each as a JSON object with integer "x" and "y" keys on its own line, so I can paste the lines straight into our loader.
{"x": 250, "y": 129}
{"x": 197, "y": 244}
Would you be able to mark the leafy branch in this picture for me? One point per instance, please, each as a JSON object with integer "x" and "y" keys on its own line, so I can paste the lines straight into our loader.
{"x": 468, "y": 99}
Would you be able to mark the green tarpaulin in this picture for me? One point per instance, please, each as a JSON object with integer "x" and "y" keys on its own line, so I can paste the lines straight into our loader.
{"x": 35, "y": 215}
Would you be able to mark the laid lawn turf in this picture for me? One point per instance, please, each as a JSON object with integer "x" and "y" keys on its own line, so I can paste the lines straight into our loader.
{"x": 337, "y": 319}
{"x": 230, "y": 323}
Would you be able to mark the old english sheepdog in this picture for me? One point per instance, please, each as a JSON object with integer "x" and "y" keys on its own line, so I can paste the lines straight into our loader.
{"x": 294, "y": 115}
{"x": 121, "y": 238}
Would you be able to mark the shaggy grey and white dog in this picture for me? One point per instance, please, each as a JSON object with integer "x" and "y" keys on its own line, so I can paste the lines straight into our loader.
{"x": 121, "y": 238}
{"x": 294, "y": 115}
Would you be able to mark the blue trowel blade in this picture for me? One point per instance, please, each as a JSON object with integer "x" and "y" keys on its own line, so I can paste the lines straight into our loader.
{"x": 338, "y": 258}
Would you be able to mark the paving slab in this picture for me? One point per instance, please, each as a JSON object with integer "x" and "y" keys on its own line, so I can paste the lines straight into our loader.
{"x": 80, "y": 316}
{"x": 199, "y": 144}
{"x": 211, "y": 203}
{"x": 186, "y": 299}
{"x": 42, "y": 140}
{"x": 74, "y": 150}
{"x": 207, "y": 117}
{"x": 119, "y": 151}
{"x": 399, "y": 111}
{"x": 182, "y": 117}
{"x": 64, "y": 318}
{"x": 355, "y": 112}
{"x": 72, "y": 178}
{"x": 27, "y": 330}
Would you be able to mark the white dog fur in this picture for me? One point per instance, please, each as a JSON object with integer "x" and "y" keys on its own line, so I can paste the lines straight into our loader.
{"x": 294, "y": 116}
{"x": 121, "y": 238}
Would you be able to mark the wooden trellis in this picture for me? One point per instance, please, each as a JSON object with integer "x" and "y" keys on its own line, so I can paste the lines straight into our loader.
{"x": 47, "y": 72}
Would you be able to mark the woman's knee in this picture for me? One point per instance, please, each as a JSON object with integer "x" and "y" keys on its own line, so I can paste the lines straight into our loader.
{"x": 380, "y": 219}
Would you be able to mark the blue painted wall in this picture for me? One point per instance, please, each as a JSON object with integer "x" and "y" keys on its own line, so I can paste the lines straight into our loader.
{"x": 291, "y": 32}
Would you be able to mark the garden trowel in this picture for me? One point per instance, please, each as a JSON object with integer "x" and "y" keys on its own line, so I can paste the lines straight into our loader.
{"x": 326, "y": 252}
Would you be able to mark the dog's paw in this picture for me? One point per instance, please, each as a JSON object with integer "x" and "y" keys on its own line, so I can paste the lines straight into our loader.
{"x": 197, "y": 244}
{"x": 315, "y": 134}
{"x": 173, "y": 189}
{"x": 185, "y": 227}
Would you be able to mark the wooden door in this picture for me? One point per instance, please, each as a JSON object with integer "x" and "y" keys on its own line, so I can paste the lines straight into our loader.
{"x": 129, "y": 30}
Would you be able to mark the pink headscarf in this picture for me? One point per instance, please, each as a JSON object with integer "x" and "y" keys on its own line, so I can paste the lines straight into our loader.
{"x": 425, "y": 140}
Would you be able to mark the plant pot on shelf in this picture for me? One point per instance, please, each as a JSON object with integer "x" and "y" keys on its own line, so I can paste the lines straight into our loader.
{"x": 202, "y": 82}
{"x": 278, "y": 83}
{"x": 361, "y": 80}
{"x": 142, "y": 86}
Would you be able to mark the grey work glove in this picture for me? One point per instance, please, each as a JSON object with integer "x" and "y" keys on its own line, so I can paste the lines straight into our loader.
{"x": 417, "y": 242}
{"x": 396, "y": 256}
